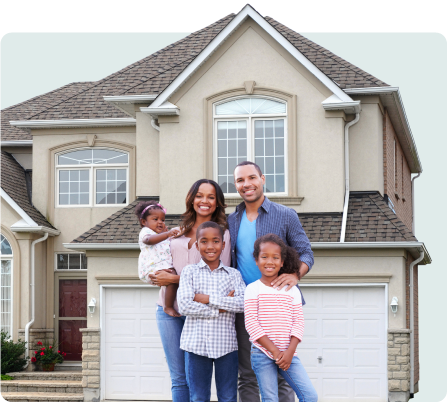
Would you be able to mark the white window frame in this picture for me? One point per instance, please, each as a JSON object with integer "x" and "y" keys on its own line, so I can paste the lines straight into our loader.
{"x": 67, "y": 270}
{"x": 250, "y": 119}
{"x": 92, "y": 168}
{"x": 10, "y": 257}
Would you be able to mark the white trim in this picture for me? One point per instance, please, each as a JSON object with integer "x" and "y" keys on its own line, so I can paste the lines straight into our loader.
{"x": 28, "y": 220}
{"x": 102, "y": 246}
{"x": 17, "y": 227}
{"x": 68, "y": 123}
{"x": 166, "y": 109}
{"x": 24, "y": 143}
{"x": 401, "y": 111}
{"x": 334, "y": 103}
{"x": 246, "y": 12}
{"x": 129, "y": 98}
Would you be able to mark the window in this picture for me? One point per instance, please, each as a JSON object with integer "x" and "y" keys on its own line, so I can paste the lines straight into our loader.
{"x": 92, "y": 177}
{"x": 254, "y": 129}
{"x": 71, "y": 261}
{"x": 6, "y": 285}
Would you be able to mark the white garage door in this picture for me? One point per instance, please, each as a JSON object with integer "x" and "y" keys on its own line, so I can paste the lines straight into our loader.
{"x": 344, "y": 345}
{"x": 135, "y": 366}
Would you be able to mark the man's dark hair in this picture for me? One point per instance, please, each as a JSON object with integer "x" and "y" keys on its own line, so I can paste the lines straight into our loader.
{"x": 209, "y": 224}
{"x": 245, "y": 163}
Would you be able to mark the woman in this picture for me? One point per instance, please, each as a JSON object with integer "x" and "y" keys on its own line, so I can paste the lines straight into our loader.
{"x": 204, "y": 202}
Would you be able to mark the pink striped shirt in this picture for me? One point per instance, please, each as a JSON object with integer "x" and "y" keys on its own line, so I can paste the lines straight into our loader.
{"x": 183, "y": 256}
{"x": 275, "y": 313}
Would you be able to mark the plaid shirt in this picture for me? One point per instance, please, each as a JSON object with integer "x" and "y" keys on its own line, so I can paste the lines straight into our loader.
{"x": 277, "y": 219}
{"x": 206, "y": 331}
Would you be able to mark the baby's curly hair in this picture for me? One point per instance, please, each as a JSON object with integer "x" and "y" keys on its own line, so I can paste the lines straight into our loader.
{"x": 142, "y": 205}
{"x": 289, "y": 256}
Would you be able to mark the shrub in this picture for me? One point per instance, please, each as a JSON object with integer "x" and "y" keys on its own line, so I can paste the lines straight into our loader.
{"x": 13, "y": 358}
{"x": 6, "y": 377}
{"x": 47, "y": 353}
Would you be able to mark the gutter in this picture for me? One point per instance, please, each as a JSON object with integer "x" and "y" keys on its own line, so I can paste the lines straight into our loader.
{"x": 421, "y": 257}
{"x": 33, "y": 293}
{"x": 345, "y": 206}
{"x": 70, "y": 123}
{"x": 25, "y": 143}
{"x": 36, "y": 229}
{"x": 413, "y": 226}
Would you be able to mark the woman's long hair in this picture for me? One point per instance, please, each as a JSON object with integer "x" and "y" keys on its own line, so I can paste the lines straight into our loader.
{"x": 189, "y": 217}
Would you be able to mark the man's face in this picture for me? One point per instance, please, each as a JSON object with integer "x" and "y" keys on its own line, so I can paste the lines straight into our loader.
{"x": 248, "y": 183}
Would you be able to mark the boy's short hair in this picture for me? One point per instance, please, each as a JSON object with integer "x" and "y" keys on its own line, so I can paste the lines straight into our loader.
{"x": 209, "y": 224}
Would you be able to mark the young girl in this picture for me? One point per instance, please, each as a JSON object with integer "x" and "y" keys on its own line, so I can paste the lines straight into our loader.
{"x": 275, "y": 323}
{"x": 155, "y": 249}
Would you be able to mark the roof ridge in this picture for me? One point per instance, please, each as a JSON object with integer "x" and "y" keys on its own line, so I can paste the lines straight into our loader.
{"x": 331, "y": 55}
{"x": 137, "y": 63}
{"x": 46, "y": 93}
{"x": 391, "y": 218}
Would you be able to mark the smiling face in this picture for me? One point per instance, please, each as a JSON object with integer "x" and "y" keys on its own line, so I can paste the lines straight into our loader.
{"x": 249, "y": 183}
{"x": 210, "y": 245}
{"x": 269, "y": 260}
{"x": 205, "y": 202}
{"x": 155, "y": 221}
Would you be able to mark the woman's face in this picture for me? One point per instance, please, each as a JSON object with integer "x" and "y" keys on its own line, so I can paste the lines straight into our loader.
{"x": 205, "y": 201}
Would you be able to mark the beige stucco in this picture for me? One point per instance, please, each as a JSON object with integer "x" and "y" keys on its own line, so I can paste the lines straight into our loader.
{"x": 250, "y": 54}
{"x": 366, "y": 148}
{"x": 73, "y": 221}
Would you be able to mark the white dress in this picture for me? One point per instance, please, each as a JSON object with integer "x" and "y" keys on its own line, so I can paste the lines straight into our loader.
{"x": 153, "y": 257}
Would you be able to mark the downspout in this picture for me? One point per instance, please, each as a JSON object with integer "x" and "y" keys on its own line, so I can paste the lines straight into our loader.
{"x": 412, "y": 202}
{"x": 345, "y": 207}
{"x": 421, "y": 257}
{"x": 33, "y": 294}
{"x": 153, "y": 124}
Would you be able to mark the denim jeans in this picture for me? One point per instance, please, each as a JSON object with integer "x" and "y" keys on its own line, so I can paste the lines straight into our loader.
{"x": 170, "y": 329}
{"x": 200, "y": 372}
{"x": 266, "y": 372}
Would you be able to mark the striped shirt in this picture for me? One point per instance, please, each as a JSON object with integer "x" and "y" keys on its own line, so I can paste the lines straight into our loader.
{"x": 208, "y": 332}
{"x": 278, "y": 314}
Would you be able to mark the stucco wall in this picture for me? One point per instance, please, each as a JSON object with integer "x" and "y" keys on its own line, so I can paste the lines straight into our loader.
{"x": 250, "y": 55}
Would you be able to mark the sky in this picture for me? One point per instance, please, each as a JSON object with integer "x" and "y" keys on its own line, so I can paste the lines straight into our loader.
{"x": 47, "y": 44}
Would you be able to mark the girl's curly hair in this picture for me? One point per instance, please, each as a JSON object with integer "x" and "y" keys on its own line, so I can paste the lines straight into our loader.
{"x": 143, "y": 204}
{"x": 289, "y": 256}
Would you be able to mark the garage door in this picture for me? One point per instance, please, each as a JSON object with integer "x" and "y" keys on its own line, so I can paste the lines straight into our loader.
{"x": 135, "y": 367}
{"x": 344, "y": 345}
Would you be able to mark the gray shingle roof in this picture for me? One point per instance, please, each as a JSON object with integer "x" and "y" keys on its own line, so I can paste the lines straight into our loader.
{"x": 154, "y": 73}
{"x": 29, "y": 108}
{"x": 14, "y": 183}
{"x": 369, "y": 220}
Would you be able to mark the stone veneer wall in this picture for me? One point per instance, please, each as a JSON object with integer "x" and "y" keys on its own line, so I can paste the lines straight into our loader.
{"x": 90, "y": 363}
{"x": 399, "y": 365}
{"x": 36, "y": 335}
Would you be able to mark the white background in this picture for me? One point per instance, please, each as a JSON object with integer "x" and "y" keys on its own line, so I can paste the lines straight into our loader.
{"x": 34, "y": 63}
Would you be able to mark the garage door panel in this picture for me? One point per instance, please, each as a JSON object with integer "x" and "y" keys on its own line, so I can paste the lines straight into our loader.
{"x": 308, "y": 356}
{"x": 368, "y": 387}
{"x": 153, "y": 358}
{"x": 149, "y": 330}
{"x": 122, "y": 386}
{"x": 154, "y": 385}
{"x": 122, "y": 358}
{"x": 335, "y": 387}
{"x": 338, "y": 358}
{"x": 371, "y": 328}
{"x": 122, "y": 328}
{"x": 369, "y": 298}
{"x": 336, "y": 299}
{"x": 368, "y": 358}
{"x": 333, "y": 328}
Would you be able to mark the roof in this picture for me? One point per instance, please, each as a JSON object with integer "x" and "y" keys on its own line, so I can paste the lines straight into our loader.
{"x": 29, "y": 108}
{"x": 14, "y": 184}
{"x": 369, "y": 220}
{"x": 154, "y": 73}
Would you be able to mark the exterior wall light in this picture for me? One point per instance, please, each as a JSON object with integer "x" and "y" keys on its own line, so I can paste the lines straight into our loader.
{"x": 92, "y": 306}
{"x": 394, "y": 304}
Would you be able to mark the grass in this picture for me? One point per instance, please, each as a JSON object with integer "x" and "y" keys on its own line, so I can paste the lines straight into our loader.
{"x": 6, "y": 377}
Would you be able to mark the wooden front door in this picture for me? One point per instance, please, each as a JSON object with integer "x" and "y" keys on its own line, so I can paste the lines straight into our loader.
{"x": 72, "y": 316}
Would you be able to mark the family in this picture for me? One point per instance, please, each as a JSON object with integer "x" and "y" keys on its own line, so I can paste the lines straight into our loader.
{"x": 247, "y": 321}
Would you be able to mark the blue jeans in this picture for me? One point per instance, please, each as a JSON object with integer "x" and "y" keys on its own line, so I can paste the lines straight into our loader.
{"x": 170, "y": 329}
{"x": 266, "y": 371}
{"x": 200, "y": 372}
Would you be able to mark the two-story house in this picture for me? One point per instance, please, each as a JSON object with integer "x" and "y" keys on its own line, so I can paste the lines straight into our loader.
{"x": 334, "y": 144}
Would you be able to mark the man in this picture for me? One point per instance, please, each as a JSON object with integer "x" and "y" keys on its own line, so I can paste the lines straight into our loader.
{"x": 253, "y": 218}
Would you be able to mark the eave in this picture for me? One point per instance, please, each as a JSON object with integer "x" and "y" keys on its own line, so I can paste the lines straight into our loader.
{"x": 72, "y": 123}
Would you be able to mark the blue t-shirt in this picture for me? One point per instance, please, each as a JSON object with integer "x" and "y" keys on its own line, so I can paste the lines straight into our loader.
{"x": 245, "y": 242}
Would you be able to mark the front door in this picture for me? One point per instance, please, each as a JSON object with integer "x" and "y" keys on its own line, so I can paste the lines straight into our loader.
{"x": 72, "y": 316}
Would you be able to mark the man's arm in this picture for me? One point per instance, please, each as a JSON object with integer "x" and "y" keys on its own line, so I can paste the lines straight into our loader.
{"x": 233, "y": 304}
{"x": 297, "y": 238}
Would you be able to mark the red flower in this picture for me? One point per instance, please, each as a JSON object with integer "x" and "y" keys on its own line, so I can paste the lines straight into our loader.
{"x": 42, "y": 354}
{"x": 39, "y": 343}
{"x": 33, "y": 360}
{"x": 64, "y": 354}
{"x": 58, "y": 351}
{"x": 51, "y": 347}
{"x": 35, "y": 352}
{"x": 42, "y": 348}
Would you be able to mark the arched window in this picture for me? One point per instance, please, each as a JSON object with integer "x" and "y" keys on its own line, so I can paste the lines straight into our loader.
{"x": 92, "y": 177}
{"x": 251, "y": 128}
{"x": 6, "y": 285}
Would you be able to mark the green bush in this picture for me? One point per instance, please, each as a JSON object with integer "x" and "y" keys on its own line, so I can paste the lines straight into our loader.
{"x": 12, "y": 354}
{"x": 6, "y": 377}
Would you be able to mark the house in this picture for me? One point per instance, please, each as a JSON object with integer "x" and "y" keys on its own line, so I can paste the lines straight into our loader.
{"x": 334, "y": 144}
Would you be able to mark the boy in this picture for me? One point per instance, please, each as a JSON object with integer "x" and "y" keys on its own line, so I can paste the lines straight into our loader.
{"x": 209, "y": 295}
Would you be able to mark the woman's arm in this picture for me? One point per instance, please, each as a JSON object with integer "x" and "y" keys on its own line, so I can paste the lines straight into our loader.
{"x": 226, "y": 253}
